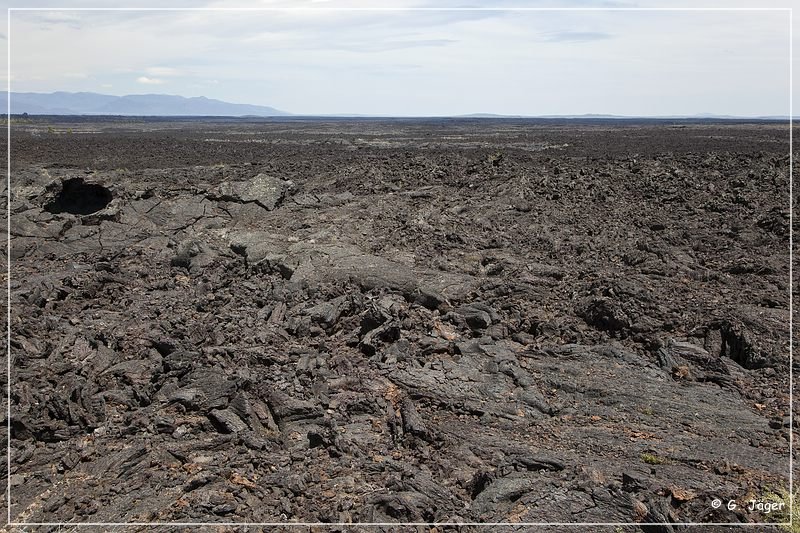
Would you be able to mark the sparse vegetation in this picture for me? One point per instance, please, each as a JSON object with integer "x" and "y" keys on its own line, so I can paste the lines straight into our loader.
{"x": 652, "y": 459}
{"x": 495, "y": 159}
{"x": 787, "y": 514}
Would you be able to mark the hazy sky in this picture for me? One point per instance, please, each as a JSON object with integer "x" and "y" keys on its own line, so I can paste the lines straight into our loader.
{"x": 319, "y": 61}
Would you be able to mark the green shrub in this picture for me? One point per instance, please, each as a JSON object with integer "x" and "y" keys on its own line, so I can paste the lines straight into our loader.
{"x": 652, "y": 459}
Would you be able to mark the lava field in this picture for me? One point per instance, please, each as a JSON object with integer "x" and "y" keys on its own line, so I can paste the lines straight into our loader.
{"x": 398, "y": 321}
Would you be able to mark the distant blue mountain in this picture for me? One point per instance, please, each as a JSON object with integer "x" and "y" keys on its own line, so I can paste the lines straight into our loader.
{"x": 64, "y": 103}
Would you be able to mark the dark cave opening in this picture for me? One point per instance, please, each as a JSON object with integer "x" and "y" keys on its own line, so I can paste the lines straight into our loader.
{"x": 79, "y": 198}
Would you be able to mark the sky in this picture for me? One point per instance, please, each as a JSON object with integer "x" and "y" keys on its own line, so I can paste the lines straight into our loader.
{"x": 317, "y": 59}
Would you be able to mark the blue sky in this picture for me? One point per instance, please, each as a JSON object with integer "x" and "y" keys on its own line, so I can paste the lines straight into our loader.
{"x": 319, "y": 60}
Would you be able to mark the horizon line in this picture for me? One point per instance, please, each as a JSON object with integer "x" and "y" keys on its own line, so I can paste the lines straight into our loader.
{"x": 473, "y": 114}
{"x": 486, "y": 116}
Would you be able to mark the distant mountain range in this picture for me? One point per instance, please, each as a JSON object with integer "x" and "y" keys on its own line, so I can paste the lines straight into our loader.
{"x": 165, "y": 105}
{"x": 64, "y": 103}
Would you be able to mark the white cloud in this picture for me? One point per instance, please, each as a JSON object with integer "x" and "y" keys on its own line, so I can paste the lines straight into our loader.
{"x": 149, "y": 81}
{"x": 162, "y": 71}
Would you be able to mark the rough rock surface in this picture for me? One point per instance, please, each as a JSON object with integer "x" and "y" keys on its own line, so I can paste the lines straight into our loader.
{"x": 265, "y": 191}
{"x": 442, "y": 321}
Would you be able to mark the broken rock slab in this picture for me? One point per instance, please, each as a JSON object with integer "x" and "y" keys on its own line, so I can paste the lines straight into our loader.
{"x": 314, "y": 262}
{"x": 263, "y": 190}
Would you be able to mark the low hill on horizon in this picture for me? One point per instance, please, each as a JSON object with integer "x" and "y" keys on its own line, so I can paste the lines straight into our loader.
{"x": 88, "y": 103}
